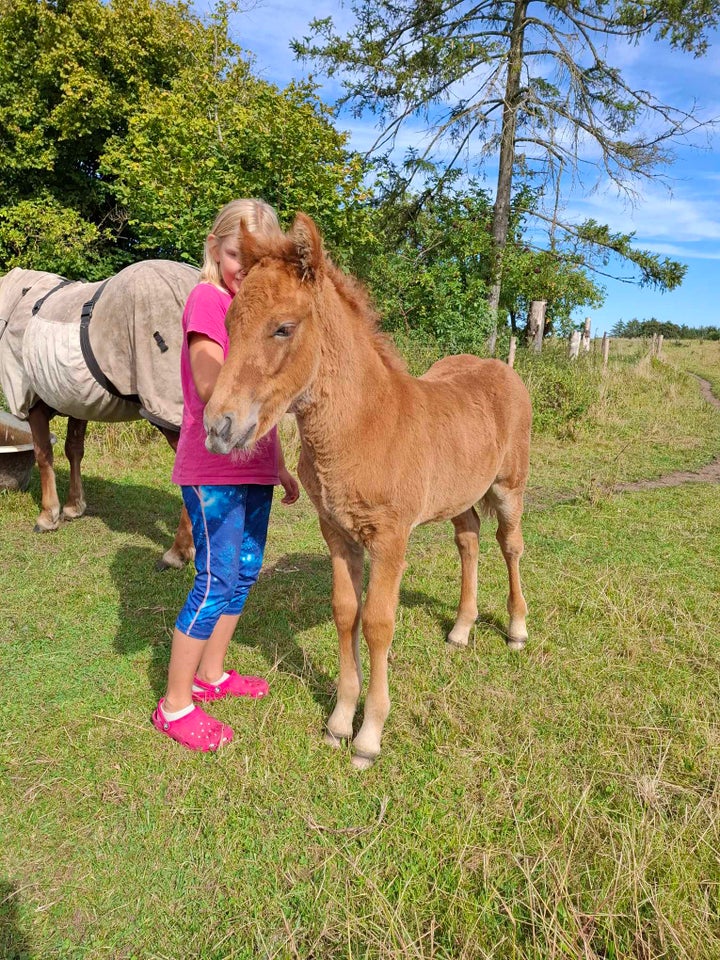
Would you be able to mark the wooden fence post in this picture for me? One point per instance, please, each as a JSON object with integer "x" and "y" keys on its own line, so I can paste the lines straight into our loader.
{"x": 511, "y": 354}
{"x": 574, "y": 348}
{"x": 537, "y": 324}
{"x": 653, "y": 345}
{"x": 605, "y": 350}
{"x": 659, "y": 347}
{"x": 586, "y": 336}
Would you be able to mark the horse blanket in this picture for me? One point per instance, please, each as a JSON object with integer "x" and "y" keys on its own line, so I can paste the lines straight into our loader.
{"x": 96, "y": 351}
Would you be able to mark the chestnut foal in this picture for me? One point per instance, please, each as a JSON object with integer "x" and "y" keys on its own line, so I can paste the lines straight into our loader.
{"x": 382, "y": 451}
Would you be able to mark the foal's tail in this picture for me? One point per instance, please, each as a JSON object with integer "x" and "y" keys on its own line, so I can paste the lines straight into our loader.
{"x": 503, "y": 502}
{"x": 487, "y": 506}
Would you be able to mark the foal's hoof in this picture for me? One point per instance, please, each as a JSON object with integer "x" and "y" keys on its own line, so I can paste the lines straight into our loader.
{"x": 362, "y": 761}
{"x": 69, "y": 515}
{"x": 332, "y": 741}
{"x": 456, "y": 644}
{"x": 516, "y": 643}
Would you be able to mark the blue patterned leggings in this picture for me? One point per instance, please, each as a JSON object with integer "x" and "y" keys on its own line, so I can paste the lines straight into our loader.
{"x": 229, "y": 525}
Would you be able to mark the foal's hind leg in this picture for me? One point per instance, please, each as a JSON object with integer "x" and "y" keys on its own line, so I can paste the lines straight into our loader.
{"x": 74, "y": 450}
{"x": 39, "y": 418}
{"x": 508, "y": 506}
{"x": 347, "y": 567}
{"x": 466, "y": 537}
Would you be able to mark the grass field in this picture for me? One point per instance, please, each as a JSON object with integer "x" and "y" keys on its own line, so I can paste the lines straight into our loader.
{"x": 559, "y": 803}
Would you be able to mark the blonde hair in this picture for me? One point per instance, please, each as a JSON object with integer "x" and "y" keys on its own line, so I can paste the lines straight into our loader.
{"x": 258, "y": 217}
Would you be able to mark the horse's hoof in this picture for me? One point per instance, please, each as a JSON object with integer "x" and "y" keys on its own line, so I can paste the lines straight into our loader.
{"x": 332, "y": 741}
{"x": 363, "y": 761}
{"x": 40, "y": 529}
{"x": 169, "y": 561}
{"x": 69, "y": 517}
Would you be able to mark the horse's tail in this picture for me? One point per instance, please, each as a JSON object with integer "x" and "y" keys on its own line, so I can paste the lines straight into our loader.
{"x": 486, "y": 506}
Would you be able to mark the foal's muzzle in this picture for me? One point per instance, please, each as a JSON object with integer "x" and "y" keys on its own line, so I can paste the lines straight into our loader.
{"x": 224, "y": 433}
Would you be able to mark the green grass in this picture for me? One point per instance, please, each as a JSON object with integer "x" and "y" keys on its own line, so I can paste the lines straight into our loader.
{"x": 701, "y": 357}
{"x": 561, "y": 803}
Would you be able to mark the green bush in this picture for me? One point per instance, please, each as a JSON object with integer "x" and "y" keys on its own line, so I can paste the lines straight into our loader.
{"x": 562, "y": 390}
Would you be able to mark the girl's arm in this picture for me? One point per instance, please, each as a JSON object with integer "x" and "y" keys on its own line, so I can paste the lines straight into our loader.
{"x": 288, "y": 481}
{"x": 206, "y": 359}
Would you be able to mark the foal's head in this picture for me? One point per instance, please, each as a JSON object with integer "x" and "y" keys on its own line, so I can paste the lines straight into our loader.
{"x": 274, "y": 337}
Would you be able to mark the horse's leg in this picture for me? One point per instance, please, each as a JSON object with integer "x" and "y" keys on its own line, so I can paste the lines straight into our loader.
{"x": 183, "y": 549}
{"x": 39, "y": 419}
{"x": 466, "y": 538}
{"x": 378, "y": 620}
{"x": 508, "y": 506}
{"x": 74, "y": 450}
{"x": 347, "y": 566}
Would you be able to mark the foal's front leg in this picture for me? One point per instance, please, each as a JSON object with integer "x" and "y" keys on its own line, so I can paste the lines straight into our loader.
{"x": 39, "y": 419}
{"x": 378, "y": 620}
{"x": 347, "y": 566}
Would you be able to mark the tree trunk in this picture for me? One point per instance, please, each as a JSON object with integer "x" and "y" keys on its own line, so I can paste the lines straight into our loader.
{"x": 501, "y": 212}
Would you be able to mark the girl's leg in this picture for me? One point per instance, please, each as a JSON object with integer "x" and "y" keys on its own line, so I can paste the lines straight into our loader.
{"x": 217, "y": 515}
{"x": 258, "y": 502}
{"x": 252, "y": 548}
{"x": 212, "y": 661}
{"x": 185, "y": 655}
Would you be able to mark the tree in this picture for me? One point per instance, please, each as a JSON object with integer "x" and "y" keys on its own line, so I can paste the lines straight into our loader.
{"x": 71, "y": 73}
{"x": 219, "y": 133}
{"x": 127, "y": 124}
{"x": 523, "y": 80}
{"x": 430, "y": 268}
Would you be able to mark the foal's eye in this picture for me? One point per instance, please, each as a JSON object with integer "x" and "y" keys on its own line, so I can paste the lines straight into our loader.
{"x": 284, "y": 331}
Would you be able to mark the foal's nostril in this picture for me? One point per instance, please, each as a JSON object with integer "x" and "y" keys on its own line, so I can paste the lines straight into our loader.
{"x": 225, "y": 428}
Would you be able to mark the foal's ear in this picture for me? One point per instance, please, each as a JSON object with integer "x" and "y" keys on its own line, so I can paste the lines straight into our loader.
{"x": 251, "y": 247}
{"x": 306, "y": 239}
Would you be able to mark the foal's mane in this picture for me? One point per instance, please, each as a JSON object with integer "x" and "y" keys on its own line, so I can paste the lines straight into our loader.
{"x": 357, "y": 299}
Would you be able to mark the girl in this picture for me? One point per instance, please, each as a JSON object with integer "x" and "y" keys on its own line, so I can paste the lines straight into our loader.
{"x": 228, "y": 500}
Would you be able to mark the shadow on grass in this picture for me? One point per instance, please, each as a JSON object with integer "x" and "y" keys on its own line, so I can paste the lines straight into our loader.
{"x": 136, "y": 509}
{"x": 292, "y": 596}
{"x": 13, "y": 945}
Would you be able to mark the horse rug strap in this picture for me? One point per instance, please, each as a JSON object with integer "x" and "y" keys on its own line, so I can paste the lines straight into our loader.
{"x": 56, "y": 363}
{"x": 58, "y": 286}
{"x": 87, "y": 350}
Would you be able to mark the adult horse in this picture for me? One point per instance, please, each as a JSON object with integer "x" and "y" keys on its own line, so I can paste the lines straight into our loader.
{"x": 103, "y": 351}
{"x": 381, "y": 451}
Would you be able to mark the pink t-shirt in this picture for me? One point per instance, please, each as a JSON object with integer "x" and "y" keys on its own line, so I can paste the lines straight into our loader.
{"x": 194, "y": 464}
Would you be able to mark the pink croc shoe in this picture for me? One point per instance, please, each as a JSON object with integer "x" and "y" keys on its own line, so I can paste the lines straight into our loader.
{"x": 234, "y": 685}
{"x": 196, "y": 730}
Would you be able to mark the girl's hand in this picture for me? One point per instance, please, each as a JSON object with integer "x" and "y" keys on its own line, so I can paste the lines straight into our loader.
{"x": 290, "y": 486}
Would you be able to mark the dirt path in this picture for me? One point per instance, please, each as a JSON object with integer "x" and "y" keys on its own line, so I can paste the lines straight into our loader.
{"x": 710, "y": 473}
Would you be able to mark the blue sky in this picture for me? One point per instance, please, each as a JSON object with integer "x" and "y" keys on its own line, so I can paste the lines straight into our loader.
{"x": 679, "y": 219}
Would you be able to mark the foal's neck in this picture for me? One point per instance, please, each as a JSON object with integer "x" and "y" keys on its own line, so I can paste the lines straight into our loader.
{"x": 356, "y": 379}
